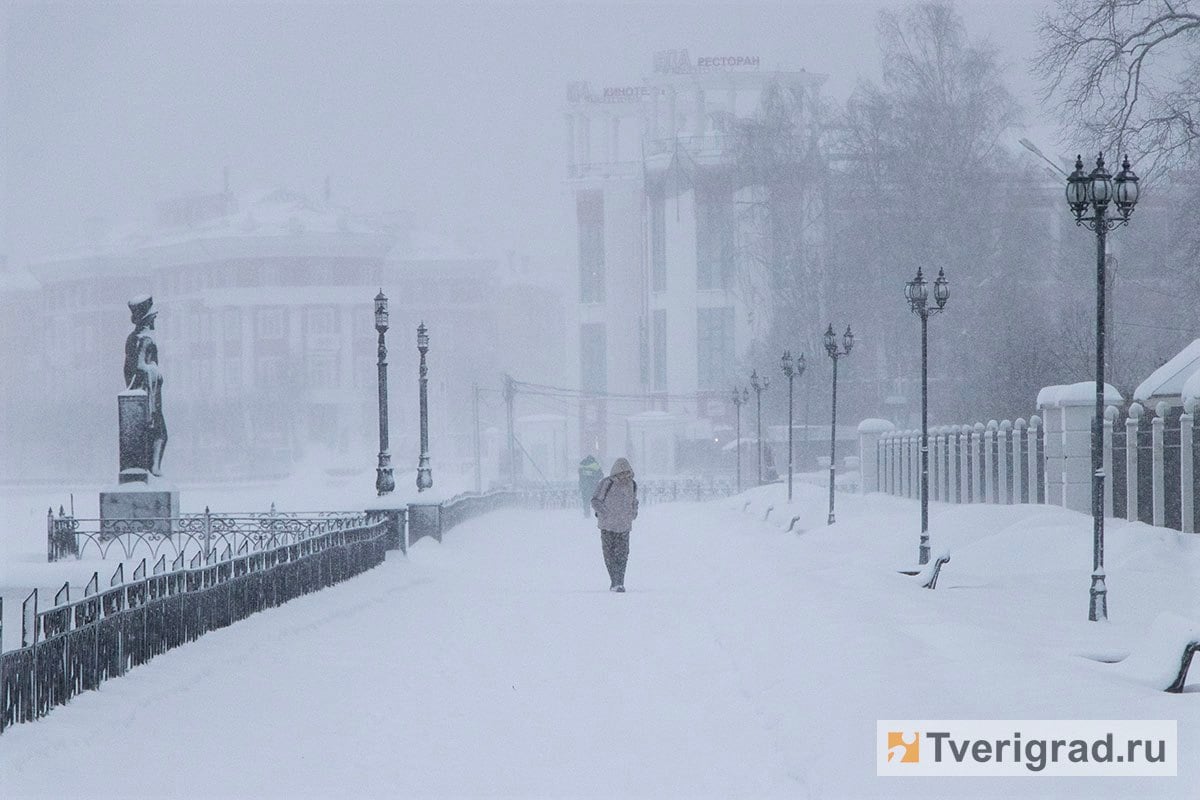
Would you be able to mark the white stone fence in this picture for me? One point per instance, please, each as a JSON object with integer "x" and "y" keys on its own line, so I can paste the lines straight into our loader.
{"x": 1000, "y": 462}
{"x": 1150, "y": 458}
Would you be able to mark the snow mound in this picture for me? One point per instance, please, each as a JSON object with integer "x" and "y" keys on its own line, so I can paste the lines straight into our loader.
{"x": 1076, "y": 394}
{"x": 1156, "y": 661}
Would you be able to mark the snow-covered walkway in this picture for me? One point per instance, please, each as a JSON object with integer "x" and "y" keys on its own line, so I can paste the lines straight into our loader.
{"x": 743, "y": 661}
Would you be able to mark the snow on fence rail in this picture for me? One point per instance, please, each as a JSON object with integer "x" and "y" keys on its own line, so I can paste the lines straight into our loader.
{"x": 76, "y": 646}
{"x": 187, "y": 534}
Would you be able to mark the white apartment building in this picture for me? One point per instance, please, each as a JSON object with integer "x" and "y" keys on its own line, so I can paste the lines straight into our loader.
{"x": 666, "y": 299}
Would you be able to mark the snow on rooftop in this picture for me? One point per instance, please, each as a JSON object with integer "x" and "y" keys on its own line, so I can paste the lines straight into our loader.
{"x": 1168, "y": 381}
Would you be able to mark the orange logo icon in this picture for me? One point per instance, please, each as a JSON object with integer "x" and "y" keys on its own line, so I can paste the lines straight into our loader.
{"x": 903, "y": 747}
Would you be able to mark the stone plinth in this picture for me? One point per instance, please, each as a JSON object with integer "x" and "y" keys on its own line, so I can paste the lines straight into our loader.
{"x": 156, "y": 502}
{"x": 1068, "y": 412}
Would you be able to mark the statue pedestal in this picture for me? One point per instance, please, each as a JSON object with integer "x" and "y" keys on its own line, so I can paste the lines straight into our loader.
{"x": 139, "y": 495}
{"x": 157, "y": 503}
{"x": 133, "y": 420}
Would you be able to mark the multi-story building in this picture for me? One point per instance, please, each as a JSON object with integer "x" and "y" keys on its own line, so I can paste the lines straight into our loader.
{"x": 267, "y": 341}
{"x": 669, "y": 299}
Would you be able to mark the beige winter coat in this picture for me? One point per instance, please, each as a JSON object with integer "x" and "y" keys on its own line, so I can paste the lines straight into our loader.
{"x": 615, "y": 500}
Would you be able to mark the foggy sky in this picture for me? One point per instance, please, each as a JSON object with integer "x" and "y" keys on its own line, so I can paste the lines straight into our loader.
{"x": 450, "y": 111}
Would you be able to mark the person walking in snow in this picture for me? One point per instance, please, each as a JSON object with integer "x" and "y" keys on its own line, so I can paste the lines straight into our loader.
{"x": 590, "y": 473}
{"x": 616, "y": 505}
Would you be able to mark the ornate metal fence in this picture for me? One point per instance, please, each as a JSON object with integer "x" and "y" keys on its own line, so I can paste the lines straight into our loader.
{"x": 186, "y": 534}
{"x": 566, "y": 495}
{"x": 76, "y": 646}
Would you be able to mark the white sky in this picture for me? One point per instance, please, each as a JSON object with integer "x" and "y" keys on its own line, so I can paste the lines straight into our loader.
{"x": 452, "y": 111}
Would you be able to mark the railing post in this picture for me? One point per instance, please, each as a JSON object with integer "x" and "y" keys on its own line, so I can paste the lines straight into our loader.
{"x": 1003, "y": 450}
{"x": 1157, "y": 490}
{"x": 208, "y": 529}
{"x": 990, "y": 494}
{"x": 980, "y": 467}
{"x": 1110, "y": 414}
{"x": 1037, "y": 476}
{"x": 935, "y": 463}
{"x": 952, "y": 467}
{"x": 1187, "y": 499}
{"x": 964, "y": 464}
{"x": 1020, "y": 481}
{"x": 1131, "y": 461}
{"x": 50, "y": 554}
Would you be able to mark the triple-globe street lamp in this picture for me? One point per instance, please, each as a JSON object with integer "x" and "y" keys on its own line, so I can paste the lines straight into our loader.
{"x": 1095, "y": 192}
{"x": 831, "y": 348}
{"x": 791, "y": 369}
{"x": 916, "y": 292}
{"x": 424, "y": 471}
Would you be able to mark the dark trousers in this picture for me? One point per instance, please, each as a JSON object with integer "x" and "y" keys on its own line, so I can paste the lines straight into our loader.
{"x": 616, "y": 554}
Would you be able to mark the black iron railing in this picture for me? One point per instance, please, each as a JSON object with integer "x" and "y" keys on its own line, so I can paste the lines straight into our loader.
{"x": 77, "y": 645}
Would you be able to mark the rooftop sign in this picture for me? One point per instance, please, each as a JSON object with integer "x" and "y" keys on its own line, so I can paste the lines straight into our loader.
{"x": 678, "y": 62}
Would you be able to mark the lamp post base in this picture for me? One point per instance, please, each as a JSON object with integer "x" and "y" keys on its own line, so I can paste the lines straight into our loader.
{"x": 424, "y": 473}
{"x": 923, "y": 551}
{"x": 384, "y": 482}
{"x": 1098, "y": 603}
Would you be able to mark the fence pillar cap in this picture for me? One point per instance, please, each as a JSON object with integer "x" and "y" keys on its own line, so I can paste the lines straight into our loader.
{"x": 873, "y": 425}
{"x": 992, "y": 425}
{"x": 956, "y": 428}
{"x": 1110, "y": 413}
{"x": 1020, "y": 424}
{"x": 1189, "y": 406}
{"x": 1005, "y": 425}
{"x": 979, "y": 426}
{"x": 1035, "y": 421}
{"x": 1136, "y": 410}
{"x": 1161, "y": 409}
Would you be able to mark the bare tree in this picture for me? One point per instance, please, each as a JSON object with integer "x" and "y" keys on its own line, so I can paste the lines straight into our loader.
{"x": 1126, "y": 74}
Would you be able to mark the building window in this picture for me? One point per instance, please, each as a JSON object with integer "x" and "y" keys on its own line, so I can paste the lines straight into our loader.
{"x": 321, "y": 321}
{"x": 593, "y": 369}
{"x": 231, "y": 323}
{"x": 714, "y": 348}
{"x": 660, "y": 350}
{"x": 272, "y": 323}
{"x": 590, "y": 210}
{"x": 714, "y": 240}
{"x": 658, "y": 243}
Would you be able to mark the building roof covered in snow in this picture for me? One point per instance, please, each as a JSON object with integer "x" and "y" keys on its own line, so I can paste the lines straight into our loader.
{"x": 1168, "y": 381}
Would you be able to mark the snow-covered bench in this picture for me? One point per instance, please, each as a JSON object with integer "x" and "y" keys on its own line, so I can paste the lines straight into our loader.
{"x": 928, "y": 574}
{"x": 1163, "y": 658}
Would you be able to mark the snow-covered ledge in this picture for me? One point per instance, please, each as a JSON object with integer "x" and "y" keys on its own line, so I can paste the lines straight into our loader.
{"x": 869, "y": 433}
{"x": 1067, "y": 411}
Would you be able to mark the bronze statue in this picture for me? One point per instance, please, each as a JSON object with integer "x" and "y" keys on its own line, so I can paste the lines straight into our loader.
{"x": 142, "y": 372}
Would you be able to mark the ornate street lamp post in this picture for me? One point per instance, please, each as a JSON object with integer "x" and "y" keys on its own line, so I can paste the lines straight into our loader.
{"x": 916, "y": 292}
{"x": 424, "y": 473}
{"x": 740, "y": 398}
{"x": 791, "y": 370}
{"x": 384, "y": 482}
{"x": 759, "y": 386}
{"x": 831, "y": 347}
{"x": 1095, "y": 191}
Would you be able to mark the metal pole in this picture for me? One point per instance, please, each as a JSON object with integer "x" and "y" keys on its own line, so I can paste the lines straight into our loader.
{"x": 384, "y": 482}
{"x": 424, "y": 473}
{"x": 790, "y": 380}
{"x": 738, "y": 438}
{"x": 510, "y": 393}
{"x": 758, "y": 430}
{"x": 478, "y": 460}
{"x": 832, "y": 440}
{"x": 923, "y": 555}
{"x": 1098, "y": 594}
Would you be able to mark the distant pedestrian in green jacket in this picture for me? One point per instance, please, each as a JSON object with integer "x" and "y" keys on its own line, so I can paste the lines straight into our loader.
{"x": 590, "y": 473}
